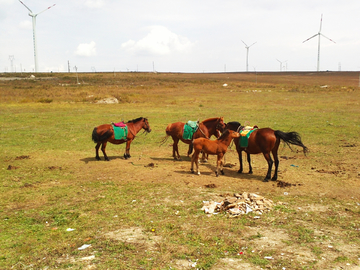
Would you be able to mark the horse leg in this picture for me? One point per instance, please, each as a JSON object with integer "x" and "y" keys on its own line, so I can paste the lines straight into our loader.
{"x": 195, "y": 159}
{"x": 219, "y": 166}
{"x": 270, "y": 163}
{"x": 97, "y": 151}
{"x": 192, "y": 163}
{"x": 240, "y": 161}
{"x": 190, "y": 149}
{"x": 127, "y": 150}
{"x": 249, "y": 161}
{"x": 276, "y": 159}
{"x": 103, "y": 146}
{"x": 176, "y": 154}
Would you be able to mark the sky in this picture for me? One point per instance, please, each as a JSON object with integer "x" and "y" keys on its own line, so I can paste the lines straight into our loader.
{"x": 180, "y": 36}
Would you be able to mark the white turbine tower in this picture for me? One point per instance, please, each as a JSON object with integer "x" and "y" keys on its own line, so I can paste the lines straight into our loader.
{"x": 319, "y": 34}
{"x": 33, "y": 16}
{"x": 247, "y": 55}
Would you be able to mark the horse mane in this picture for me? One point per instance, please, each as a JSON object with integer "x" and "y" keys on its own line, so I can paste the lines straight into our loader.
{"x": 224, "y": 134}
{"x": 234, "y": 125}
{"x": 136, "y": 120}
{"x": 210, "y": 119}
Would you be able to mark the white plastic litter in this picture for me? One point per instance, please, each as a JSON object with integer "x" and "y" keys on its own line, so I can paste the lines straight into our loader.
{"x": 84, "y": 247}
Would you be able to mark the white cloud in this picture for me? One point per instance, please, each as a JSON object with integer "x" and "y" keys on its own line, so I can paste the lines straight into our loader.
{"x": 94, "y": 3}
{"x": 160, "y": 41}
{"x": 25, "y": 24}
{"x": 86, "y": 49}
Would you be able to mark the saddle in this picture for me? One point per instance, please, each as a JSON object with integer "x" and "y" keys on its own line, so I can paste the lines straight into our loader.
{"x": 120, "y": 124}
{"x": 245, "y": 133}
{"x": 189, "y": 129}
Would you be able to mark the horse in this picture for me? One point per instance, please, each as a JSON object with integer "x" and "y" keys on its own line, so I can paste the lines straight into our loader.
{"x": 265, "y": 140}
{"x": 217, "y": 147}
{"x": 105, "y": 133}
{"x": 206, "y": 128}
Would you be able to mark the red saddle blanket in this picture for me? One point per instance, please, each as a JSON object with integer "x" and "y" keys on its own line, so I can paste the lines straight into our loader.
{"x": 120, "y": 124}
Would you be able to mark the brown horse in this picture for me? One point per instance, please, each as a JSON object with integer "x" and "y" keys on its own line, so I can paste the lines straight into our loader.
{"x": 217, "y": 147}
{"x": 265, "y": 140}
{"x": 206, "y": 129}
{"x": 105, "y": 133}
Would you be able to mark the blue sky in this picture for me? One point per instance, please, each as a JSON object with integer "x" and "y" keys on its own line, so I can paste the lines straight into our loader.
{"x": 180, "y": 36}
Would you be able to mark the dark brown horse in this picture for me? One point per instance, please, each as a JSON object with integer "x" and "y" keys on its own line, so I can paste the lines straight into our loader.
{"x": 206, "y": 129}
{"x": 217, "y": 147}
{"x": 265, "y": 140}
{"x": 105, "y": 133}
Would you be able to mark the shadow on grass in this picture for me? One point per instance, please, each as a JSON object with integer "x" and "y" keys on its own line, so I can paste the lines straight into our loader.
{"x": 93, "y": 159}
{"x": 171, "y": 159}
{"x": 228, "y": 172}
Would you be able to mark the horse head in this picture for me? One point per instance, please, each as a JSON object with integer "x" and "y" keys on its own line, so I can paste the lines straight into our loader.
{"x": 220, "y": 125}
{"x": 146, "y": 125}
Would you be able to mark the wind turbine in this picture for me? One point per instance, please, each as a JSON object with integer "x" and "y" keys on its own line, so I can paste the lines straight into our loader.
{"x": 319, "y": 34}
{"x": 247, "y": 55}
{"x": 281, "y": 62}
{"x": 33, "y": 16}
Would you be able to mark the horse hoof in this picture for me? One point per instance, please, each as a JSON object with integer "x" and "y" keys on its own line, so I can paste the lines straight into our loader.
{"x": 222, "y": 172}
{"x": 239, "y": 171}
{"x": 266, "y": 180}
{"x": 97, "y": 158}
{"x": 274, "y": 179}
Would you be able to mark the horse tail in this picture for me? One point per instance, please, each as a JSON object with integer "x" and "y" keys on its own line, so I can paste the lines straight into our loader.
{"x": 167, "y": 130}
{"x": 96, "y": 137}
{"x": 291, "y": 138}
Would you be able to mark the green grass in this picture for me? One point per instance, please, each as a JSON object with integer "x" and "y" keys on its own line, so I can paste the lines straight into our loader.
{"x": 60, "y": 185}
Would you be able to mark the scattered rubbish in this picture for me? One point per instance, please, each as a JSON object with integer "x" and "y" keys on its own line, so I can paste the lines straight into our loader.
{"x": 88, "y": 258}
{"x": 229, "y": 165}
{"x": 210, "y": 186}
{"x": 150, "y": 165}
{"x": 248, "y": 209}
{"x": 284, "y": 184}
{"x": 70, "y": 230}
{"x": 84, "y": 247}
{"x": 292, "y": 165}
{"x": 225, "y": 84}
{"x": 22, "y": 157}
{"x": 285, "y": 193}
{"x": 256, "y": 217}
{"x": 268, "y": 257}
{"x": 330, "y": 246}
{"x": 239, "y": 204}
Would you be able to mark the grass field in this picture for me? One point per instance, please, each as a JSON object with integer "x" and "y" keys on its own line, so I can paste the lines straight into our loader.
{"x": 145, "y": 212}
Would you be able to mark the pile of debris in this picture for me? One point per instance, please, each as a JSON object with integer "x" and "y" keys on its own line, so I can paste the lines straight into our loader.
{"x": 239, "y": 204}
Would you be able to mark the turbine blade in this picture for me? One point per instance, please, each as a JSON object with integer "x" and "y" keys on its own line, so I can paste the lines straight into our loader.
{"x": 25, "y": 6}
{"x": 252, "y": 44}
{"x": 244, "y": 43}
{"x": 328, "y": 38}
{"x": 311, "y": 37}
{"x": 320, "y": 23}
{"x": 45, "y": 9}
